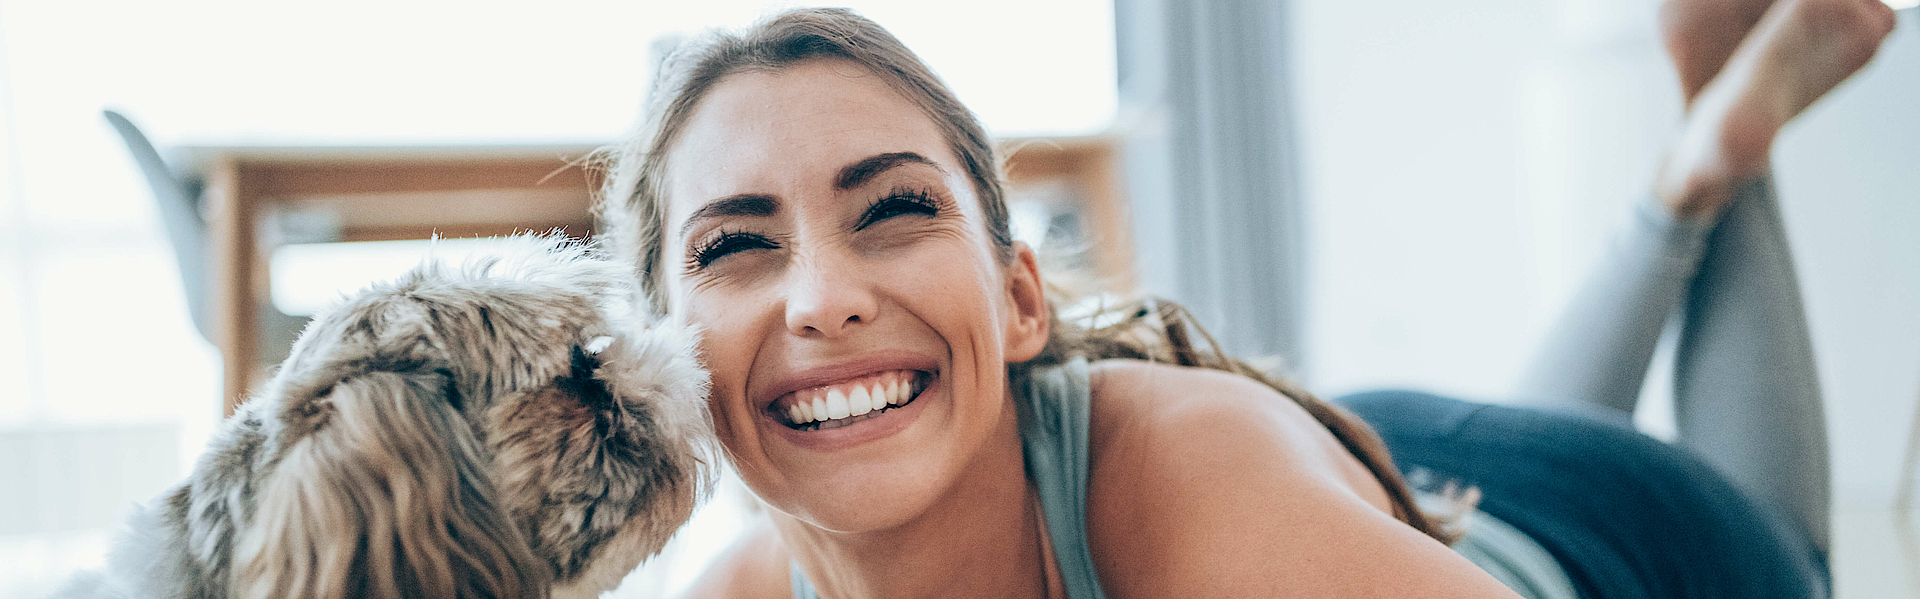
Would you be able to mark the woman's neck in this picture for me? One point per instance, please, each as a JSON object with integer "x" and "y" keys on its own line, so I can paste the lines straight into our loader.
{"x": 983, "y": 539}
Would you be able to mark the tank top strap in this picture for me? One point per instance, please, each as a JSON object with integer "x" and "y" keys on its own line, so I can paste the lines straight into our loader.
{"x": 1055, "y": 409}
{"x": 802, "y": 588}
{"x": 1055, "y": 424}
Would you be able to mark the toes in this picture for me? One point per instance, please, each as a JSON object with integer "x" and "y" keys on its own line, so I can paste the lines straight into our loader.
{"x": 1702, "y": 35}
{"x": 1887, "y": 17}
{"x": 1852, "y": 29}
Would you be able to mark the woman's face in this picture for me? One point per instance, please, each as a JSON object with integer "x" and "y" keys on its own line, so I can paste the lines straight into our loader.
{"x": 858, "y": 320}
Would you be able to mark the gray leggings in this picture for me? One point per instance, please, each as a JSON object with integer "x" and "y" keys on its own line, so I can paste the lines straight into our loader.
{"x": 1746, "y": 397}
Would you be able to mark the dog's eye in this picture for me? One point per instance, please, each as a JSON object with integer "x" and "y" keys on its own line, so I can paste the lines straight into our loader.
{"x": 584, "y": 363}
{"x": 582, "y": 385}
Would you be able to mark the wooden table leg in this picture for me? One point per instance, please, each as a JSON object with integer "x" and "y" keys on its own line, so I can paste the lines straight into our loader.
{"x": 233, "y": 247}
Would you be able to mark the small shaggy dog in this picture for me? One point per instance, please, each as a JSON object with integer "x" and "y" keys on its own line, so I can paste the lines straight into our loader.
{"x": 510, "y": 429}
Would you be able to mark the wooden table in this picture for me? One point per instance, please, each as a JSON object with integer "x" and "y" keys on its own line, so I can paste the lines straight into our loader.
{"x": 389, "y": 193}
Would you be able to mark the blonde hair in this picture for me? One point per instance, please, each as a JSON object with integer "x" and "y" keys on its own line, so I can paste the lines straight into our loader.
{"x": 632, "y": 203}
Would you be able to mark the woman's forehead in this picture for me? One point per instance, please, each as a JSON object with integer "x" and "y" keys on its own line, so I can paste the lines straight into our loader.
{"x": 794, "y": 130}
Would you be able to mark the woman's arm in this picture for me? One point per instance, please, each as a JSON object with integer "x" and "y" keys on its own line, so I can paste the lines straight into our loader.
{"x": 1208, "y": 484}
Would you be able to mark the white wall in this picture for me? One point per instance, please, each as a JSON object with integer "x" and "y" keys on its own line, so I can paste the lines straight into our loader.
{"x": 1466, "y": 161}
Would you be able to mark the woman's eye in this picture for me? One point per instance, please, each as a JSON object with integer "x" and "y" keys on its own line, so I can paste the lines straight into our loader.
{"x": 727, "y": 244}
{"x": 902, "y": 202}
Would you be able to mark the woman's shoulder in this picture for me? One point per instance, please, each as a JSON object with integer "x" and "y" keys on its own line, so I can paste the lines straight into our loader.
{"x": 1203, "y": 476}
{"x": 1146, "y": 412}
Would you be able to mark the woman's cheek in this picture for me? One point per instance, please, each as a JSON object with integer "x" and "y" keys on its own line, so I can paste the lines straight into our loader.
{"x": 723, "y": 355}
{"x": 955, "y": 273}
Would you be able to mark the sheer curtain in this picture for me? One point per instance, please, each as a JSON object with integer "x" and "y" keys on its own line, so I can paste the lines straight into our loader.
{"x": 1209, "y": 160}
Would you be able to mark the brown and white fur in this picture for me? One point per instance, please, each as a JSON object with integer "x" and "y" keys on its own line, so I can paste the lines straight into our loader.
{"x": 507, "y": 429}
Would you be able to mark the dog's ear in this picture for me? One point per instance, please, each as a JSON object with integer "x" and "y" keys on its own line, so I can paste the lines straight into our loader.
{"x": 603, "y": 466}
{"x": 592, "y": 481}
{"x": 381, "y": 491}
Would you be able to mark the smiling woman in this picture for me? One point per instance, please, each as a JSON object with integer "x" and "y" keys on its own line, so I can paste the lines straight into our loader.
{"x": 844, "y": 280}
{"x": 814, "y": 199}
{"x": 893, "y": 381}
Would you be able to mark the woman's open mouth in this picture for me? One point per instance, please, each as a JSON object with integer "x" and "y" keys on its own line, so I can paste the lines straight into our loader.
{"x": 848, "y": 402}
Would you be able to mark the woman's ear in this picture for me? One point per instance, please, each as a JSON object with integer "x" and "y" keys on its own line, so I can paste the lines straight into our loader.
{"x": 1030, "y": 319}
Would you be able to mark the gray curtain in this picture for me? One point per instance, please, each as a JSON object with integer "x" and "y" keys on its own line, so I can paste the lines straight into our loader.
{"x": 1210, "y": 168}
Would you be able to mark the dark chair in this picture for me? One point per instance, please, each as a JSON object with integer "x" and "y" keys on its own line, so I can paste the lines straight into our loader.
{"x": 178, "y": 196}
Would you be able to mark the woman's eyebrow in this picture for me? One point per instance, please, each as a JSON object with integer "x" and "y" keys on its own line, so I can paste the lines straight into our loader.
{"x": 853, "y": 175}
{"x": 746, "y": 204}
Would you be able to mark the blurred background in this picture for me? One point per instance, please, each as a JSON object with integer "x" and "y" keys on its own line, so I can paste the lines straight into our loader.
{"x": 1388, "y": 193}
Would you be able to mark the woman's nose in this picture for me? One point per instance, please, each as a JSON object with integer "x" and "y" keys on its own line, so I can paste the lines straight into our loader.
{"x": 826, "y": 297}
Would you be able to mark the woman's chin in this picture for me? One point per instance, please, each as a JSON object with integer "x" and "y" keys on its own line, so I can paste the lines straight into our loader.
{"x": 866, "y": 496}
{"x": 868, "y": 475}
{"x": 870, "y": 511}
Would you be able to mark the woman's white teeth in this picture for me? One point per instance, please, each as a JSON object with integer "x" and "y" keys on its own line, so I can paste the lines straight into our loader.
{"x": 836, "y": 403}
{"x": 859, "y": 402}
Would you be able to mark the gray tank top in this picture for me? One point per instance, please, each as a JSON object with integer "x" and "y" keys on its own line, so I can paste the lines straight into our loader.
{"x": 1055, "y": 409}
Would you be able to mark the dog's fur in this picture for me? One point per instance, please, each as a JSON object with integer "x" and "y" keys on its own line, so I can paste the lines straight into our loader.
{"x": 506, "y": 429}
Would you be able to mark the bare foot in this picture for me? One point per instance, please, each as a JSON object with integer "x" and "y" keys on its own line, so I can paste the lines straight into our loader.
{"x": 1701, "y": 35}
{"x": 1799, "y": 51}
